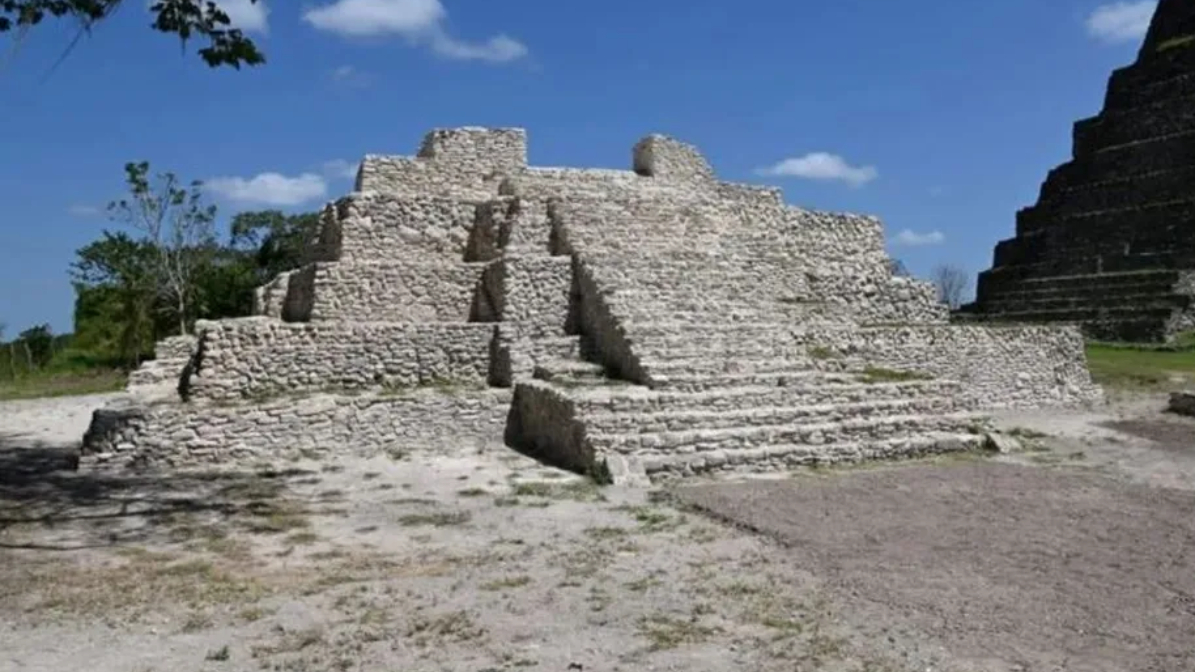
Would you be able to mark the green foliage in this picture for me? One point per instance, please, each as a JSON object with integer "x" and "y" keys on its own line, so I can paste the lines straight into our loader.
{"x": 186, "y": 19}
{"x": 1143, "y": 367}
{"x": 1176, "y": 43}
{"x": 154, "y": 280}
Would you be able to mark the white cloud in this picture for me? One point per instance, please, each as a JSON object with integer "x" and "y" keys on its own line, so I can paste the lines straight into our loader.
{"x": 339, "y": 169}
{"x": 822, "y": 166}
{"x": 83, "y": 210}
{"x": 251, "y": 17}
{"x": 271, "y": 189}
{"x": 911, "y": 238}
{"x": 350, "y": 76}
{"x": 1121, "y": 21}
{"x": 420, "y": 22}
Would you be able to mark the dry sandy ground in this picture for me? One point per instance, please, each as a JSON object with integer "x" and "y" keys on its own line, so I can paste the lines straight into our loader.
{"x": 1074, "y": 554}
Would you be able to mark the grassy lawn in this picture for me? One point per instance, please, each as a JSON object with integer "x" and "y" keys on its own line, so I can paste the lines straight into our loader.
{"x": 62, "y": 384}
{"x": 1143, "y": 367}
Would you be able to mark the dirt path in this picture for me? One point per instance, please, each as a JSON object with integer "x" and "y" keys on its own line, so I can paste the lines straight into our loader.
{"x": 485, "y": 560}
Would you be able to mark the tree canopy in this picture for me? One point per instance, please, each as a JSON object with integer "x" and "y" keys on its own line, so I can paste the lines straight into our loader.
{"x": 185, "y": 19}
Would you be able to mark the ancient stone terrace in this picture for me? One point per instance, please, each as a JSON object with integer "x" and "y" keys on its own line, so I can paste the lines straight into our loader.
{"x": 646, "y": 323}
{"x": 1110, "y": 243}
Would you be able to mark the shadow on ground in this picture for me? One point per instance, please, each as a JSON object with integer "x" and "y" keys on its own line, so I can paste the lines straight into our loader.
{"x": 40, "y": 487}
{"x": 1007, "y": 566}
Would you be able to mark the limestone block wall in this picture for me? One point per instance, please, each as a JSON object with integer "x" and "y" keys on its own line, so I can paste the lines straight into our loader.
{"x": 377, "y": 227}
{"x": 400, "y": 291}
{"x": 509, "y": 223}
{"x": 317, "y": 426}
{"x": 533, "y": 290}
{"x": 256, "y": 357}
{"x": 269, "y": 299}
{"x": 1000, "y": 367}
{"x": 462, "y": 163}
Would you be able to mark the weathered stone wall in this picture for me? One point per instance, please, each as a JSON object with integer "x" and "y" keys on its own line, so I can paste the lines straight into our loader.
{"x": 255, "y": 357}
{"x": 269, "y": 299}
{"x": 1013, "y": 367}
{"x": 465, "y": 164}
{"x": 373, "y": 227}
{"x": 533, "y": 290}
{"x": 317, "y": 426}
{"x": 410, "y": 291}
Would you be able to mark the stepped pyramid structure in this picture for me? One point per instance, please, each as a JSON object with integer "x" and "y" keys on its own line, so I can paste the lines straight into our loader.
{"x": 649, "y": 322}
{"x": 1110, "y": 243}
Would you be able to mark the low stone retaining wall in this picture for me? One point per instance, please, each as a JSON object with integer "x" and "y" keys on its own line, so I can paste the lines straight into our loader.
{"x": 1000, "y": 367}
{"x": 173, "y": 435}
{"x": 255, "y": 357}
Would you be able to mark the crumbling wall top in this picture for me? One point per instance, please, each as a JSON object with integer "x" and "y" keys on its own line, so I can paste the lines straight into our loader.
{"x": 494, "y": 149}
{"x": 668, "y": 158}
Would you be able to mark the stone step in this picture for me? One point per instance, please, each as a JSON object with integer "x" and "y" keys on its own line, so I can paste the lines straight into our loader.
{"x": 1155, "y": 187}
{"x": 1029, "y": 290}
{"x": 559, "y": 347}
{"x": 1154, "y": 76}
{"x": 812, "y": 433}
{"x": 715, "y": 366}
{"x": 678, "y": 421}
{"x": 1136, "y": 217}
{"x": 686, "y": 349}
{"x": 814, "y": 392}
{"x": 1089, "y": 314}
{"x": 698, "y": 382}
{"x": 571, "y": 371}
{"x": 645, "y": 331}
{"x": 1166, "y": 153}
{"x": 1006, "y": 304}
{"x": 1113, "y": 128}
{"x": 1119, "y": 98}
{"x": 1037, "y": 278}
{"x": 780, "y": 456}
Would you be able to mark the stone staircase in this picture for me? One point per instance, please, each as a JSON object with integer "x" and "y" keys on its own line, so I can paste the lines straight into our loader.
{"x": 698, "y": 366}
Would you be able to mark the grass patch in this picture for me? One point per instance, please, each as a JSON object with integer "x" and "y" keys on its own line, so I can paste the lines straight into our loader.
{"x": 666, "y": 632}
{"x": 580, "y": 490}
{"x": 1154, "y": 368}
{"x": 62, "y": 384}
{"x": 457, "y": 626}
{"x": 507, "y": 583}
{"x": 472, "y": 492}
{"x": 1176, "y": 43}
{"x": 821, "y": 352}
{"x": 439, "y": 519}
{"x": 878, "y": 374}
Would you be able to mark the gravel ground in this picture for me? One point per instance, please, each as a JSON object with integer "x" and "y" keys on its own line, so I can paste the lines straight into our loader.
{"x": 1067, "y": 555}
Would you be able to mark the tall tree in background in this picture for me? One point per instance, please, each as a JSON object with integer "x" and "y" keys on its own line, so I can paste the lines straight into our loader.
{"x": 278, "y": 242}
{"x": 186, "y": 19}
{"x": 952, "y": 283}
{"x": 116, "y": 290}
{"x": 178, "y": 227}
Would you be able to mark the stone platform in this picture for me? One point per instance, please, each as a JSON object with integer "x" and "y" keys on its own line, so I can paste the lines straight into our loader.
{"x": 643, "y": 324}
{"x": 1110, "y": 243}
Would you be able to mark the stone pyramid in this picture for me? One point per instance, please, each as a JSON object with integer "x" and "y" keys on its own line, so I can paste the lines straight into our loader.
{"x": 1110, "y": 243}
{"x": 646, "y": 323}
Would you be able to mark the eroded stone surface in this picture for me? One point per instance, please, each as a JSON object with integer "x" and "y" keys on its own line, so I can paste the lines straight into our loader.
{"x": 652, "y": 322}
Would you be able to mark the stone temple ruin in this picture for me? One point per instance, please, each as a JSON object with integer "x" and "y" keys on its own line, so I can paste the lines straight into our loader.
{"x": 644, "y": 323}
{"x": 1110, "y": 243}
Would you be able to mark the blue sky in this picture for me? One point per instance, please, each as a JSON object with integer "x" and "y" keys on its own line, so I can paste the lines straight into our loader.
{"x": 939, "y": 116}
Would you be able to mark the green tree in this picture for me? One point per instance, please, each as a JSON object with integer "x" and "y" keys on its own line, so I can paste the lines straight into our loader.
{"x": 177, "y": 226}
{"x": 277, "y": 242}
{"x": 116, "y": 293}
{"x": 186, "y": 19}
{"x": 38, "y": 343}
